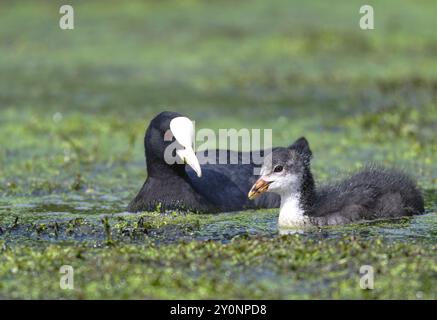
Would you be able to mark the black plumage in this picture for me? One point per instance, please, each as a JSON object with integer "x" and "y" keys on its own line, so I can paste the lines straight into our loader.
{"x": 222, "y": 187}
{"x": 373, "y": 193}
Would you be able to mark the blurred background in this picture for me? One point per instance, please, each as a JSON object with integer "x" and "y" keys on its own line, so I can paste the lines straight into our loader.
{"x": 74, "y": 104}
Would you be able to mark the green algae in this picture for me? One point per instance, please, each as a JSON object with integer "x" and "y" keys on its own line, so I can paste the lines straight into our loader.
{"x": 72, "y": 119}
{"x": 260, "y": 268}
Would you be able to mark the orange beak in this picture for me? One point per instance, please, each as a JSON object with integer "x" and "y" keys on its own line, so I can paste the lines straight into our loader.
{"x": 259, "y": 187}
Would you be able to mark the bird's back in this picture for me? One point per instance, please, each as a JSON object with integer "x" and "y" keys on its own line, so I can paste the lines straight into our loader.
{"x": 227, "y": 182}
{"x": 369, "y": 194}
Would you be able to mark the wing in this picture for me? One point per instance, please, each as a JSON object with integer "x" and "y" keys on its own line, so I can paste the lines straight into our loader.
{"x": 227, "y": 185}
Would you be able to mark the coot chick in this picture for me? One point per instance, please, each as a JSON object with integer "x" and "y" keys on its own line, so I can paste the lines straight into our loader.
{"x": 373, "y": 193}
{"x": 206, "y": 188}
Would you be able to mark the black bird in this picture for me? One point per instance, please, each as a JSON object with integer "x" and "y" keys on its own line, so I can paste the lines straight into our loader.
{"x": 207, "y": 188}
{"x": 373, "y": 193}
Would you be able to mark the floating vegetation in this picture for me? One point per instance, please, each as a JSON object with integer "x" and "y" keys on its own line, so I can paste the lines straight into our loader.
{"x": 72, "y": 122}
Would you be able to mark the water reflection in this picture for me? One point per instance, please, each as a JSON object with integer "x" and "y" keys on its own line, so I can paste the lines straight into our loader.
{"x": 54, "y": 219}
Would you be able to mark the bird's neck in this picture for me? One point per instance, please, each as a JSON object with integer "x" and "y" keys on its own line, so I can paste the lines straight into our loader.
{"x": 157, "y": 168}
{"x": 296, "y": 203}
{"x": 291, "y": 213}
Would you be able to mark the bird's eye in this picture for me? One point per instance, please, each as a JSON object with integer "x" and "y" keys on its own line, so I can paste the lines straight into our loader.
{"x": 278, "y": 169}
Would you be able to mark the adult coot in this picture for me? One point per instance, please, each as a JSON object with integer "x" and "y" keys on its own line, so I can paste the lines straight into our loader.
{"x": 176, "y": 180}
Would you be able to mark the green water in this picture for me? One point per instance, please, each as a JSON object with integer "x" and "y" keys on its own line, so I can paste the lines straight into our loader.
{"x": 74, "y": 107}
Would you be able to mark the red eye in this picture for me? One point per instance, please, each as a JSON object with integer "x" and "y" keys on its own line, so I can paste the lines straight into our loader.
{"x": 278, "y": 169}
